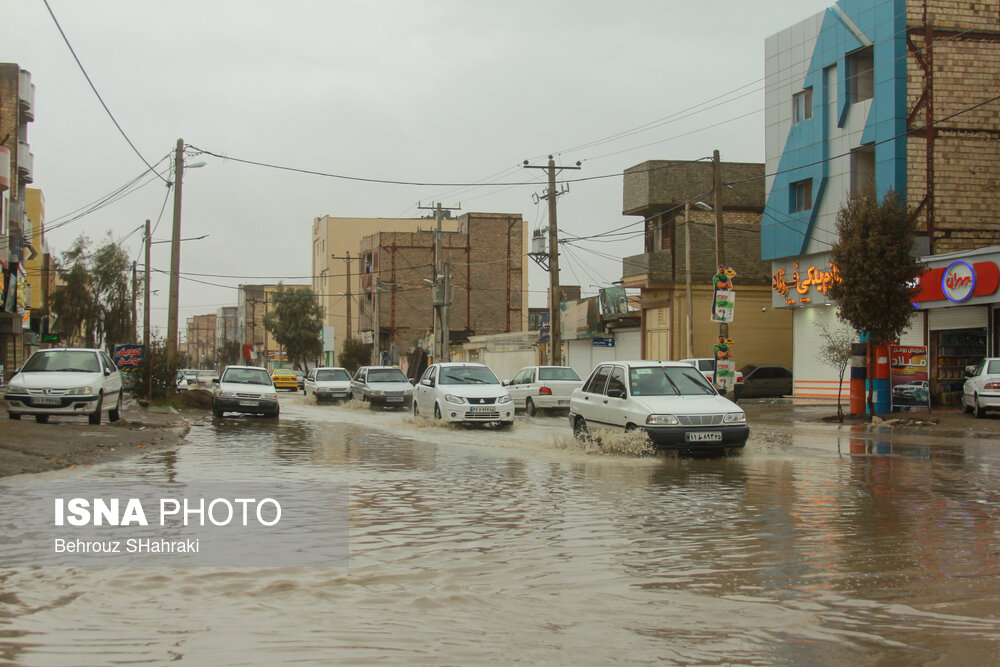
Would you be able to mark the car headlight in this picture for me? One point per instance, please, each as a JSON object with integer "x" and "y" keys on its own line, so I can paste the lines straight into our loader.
{"x": 451, "y": 398}
{"x": 377, "y": 392}
{"x": 82, "y": 390}
{"x": 227, "y": 394}
{"x": 662, "y": 420}
{"x": 16, "y": 391}
{"x": 504, "y": 399}
{"x": 734, "y": 418}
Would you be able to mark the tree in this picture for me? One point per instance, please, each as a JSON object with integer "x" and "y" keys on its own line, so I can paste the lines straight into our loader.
{"x": 354, "y": 353}
{"x": 229, "y": 354}
{"x": 71, "y": 301}
{"x": 877, "y": 271}
{"x": 296, "y": 322}
{"x": 836, "y": 352}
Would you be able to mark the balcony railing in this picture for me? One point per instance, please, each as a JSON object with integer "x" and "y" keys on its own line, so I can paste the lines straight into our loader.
{"x": 655, "y": 267}
{"x": 26, "y": 96}
{"x": 25, "y": 163}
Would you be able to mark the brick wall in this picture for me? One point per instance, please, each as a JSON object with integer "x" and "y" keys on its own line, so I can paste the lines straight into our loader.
{"x": 965, "y": 55}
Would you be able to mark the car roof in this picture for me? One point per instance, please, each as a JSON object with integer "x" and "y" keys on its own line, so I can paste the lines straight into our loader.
{"x": 256, "y": 368}
{"x": 370, "y": 367}
{"x": 329, "y": 368}
{"x": 452, "y": 364}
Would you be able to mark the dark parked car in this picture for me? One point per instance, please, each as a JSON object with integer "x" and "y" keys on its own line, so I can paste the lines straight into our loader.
{"x": 764, "y": 381}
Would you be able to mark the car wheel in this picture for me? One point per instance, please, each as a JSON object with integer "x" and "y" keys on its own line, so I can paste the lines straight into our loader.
{"x": 95, "y": 417}
{"x": 966, "y": 408}
{"x": 580, "y": 430}
{"x": 217, "y": 411}
{"x": 505, "y": 426}
{"x": 529, "y": 407}
{"x": 276, "y": 413}
{"x": 416, "y": 410}
{"x": 11, "y": 415}
{"x": 116, "y": 414}
{"x": 42, "y": 419}
{"x": 980, "y": 411}
{"x": 437, "y": 412}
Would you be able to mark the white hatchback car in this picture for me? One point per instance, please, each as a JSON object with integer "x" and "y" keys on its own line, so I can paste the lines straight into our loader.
{"x": 66, "y": 381}
{"x": 328, "y": 384}
{"x": 671, "y": 401}
{"x": 462, "y": 392}
{"x": 981, "y": 391}
{"x": 543, "y": 388}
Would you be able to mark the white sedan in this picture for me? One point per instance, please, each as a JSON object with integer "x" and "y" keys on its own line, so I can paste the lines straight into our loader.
{"x": 66, "y": 381}
{"x": 328, "y": 384}
{"x": 981, "y": 391}
{"x": 462, "y": 392}
{"x": 543, "y": 388}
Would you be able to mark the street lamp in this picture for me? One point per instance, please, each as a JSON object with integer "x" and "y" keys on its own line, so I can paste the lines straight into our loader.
{"x": 175, "y": 253}
{"x": 687, "y": 272}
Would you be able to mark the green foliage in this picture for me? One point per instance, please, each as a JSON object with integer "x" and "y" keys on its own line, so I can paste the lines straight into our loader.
{"x": 876, "y": 288}
{"x": 354, "y": 353}
{"x": 229, "y": 355}
{"x": 296, "y": 322}
{"x": 94, "y": 304}
{"x": 164, "y": 378}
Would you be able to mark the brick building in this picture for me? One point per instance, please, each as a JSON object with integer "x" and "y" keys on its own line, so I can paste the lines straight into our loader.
{"x": 900, "y": 93}
{"x": 486, "y": 253}
{"x": 201, "y": 348}
{"x": 658, "y": 191}
{"x": 17, "y": 109}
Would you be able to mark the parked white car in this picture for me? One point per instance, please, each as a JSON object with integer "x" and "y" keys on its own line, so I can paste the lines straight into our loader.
{"x": 462, "y": 392}
{"x": 246, "y": 389}
{"x": 66, "y": 381}
{"x": 671, "y": 401}
{"x": 328, "y": 384}
{"x": 543, "y": 388}
{"x": 707, "y": 367}
{"x": 981, "y": 391}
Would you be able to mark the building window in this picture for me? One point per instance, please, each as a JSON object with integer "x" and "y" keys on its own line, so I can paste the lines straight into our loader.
{"x": 802, "y": 105}
{"x": 801, "y": 195}
{"x": 862, "y": 169}
{"x": 860, "y": 75}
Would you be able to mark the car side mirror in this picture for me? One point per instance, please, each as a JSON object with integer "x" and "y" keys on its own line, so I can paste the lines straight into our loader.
{"x": 505, "y": 383}
{"x": 427, "y": 383}
{"x": 616, "y": 393}
{"x": 107, "y": 371}
{"x": 215, "y": 380}
{"x": 413, "y": 380}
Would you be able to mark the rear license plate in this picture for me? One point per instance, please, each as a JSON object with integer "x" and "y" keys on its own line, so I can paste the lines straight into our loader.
{"x": 562, "y": 403}
{"x": 250, "y": 404}
{"x": 45, "y": 400}
{"x": 703, "y": 436}
{"x": 480, "y": 408}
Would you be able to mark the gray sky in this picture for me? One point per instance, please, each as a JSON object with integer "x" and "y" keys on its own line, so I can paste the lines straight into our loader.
{"x": 427, "y": 91}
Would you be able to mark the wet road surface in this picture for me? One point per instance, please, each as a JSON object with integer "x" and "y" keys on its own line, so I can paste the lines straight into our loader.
{"x": 818, "y": 545}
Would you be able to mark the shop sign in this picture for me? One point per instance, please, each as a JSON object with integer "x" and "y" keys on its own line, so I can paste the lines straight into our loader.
{"x": 957, "y": 282}
{"x": 799, "y": 287}
{"x": 909, "y": 377}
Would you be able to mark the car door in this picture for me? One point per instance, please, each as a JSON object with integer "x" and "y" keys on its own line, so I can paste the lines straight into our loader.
{"x": 424, "y": 391}
{"x": 112, "y": 380}
{"x": 310, "y": 383}
{"x": 614, "y": 406}
{"x": 591, "y": 407}
{"x": 516, "y": 388}
{"x": 358, "y": 383}
{"x": 972, "y": 384}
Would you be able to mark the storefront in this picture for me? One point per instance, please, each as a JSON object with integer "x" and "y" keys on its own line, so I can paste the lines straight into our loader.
{"x": 959, "y": 317}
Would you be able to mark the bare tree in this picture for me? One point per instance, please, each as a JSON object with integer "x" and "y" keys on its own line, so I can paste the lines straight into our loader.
{"x": 836, "y": 352}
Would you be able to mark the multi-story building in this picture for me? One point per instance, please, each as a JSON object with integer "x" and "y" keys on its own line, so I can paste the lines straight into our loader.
{"x": 900, "y": 94}
{"x": 337, "y": 268}
{"x": 253, "y": 303}
{"x": 38, "y": 265}
{"x": 17, "y": 109}
{"x": 658, "y": 190}
{"x": 486, "y": 255}
{"x": 201, "y": 340}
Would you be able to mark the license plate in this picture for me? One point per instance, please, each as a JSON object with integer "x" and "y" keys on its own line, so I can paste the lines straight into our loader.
{"x": 45, "y": 400}
{"x": 481, "y": 408}
{"x": 250, "y": 404}
{"x": 562, "y": 403}
{"x": 395, "y": 399}
{"x": 703, "y": 436}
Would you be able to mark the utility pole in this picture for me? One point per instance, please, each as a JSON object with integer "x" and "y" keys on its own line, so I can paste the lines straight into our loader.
{"x": 441, "y": 295}
{"x": 376, "y": 338}
{"x": 135, "y": 288}
{"x": 720, "y": 246}
{"x": 175, "y": 257}
{"x": 145, "y": 320}
{"x": 555, "y": 291}
{"x": 347, "y": 292}
{"x": 687, "y": 280}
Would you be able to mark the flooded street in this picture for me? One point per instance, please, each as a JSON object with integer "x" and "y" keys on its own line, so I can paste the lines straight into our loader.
{"x": 818, "y": 545}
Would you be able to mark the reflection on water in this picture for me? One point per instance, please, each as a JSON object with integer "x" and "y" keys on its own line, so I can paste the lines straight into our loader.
{"x": 871, "y": 552}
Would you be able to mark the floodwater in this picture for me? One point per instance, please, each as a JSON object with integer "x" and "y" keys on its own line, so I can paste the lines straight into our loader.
{"x": 815, "y": 546}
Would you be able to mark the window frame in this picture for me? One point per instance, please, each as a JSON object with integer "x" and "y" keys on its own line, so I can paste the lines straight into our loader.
{"x": 805, "y": 188}
{"x": 805, "y": 96}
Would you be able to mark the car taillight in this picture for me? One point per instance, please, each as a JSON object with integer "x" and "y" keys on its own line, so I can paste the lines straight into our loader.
{"x": 992, "y": 385}
{"x": 544, "y": 391}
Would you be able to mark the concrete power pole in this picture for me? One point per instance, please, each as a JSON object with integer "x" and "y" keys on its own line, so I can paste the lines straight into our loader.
{"x": 720, "y": 246}
{"x": 347, "y": 292}
{"x": 145, "y": 319}
{"x": 441, "y": 292}
{"x": 135, "y": 289}
{"x": 376, "y": 359}
{"x": 175, "y": 257}
{"x": 555, "y": 291}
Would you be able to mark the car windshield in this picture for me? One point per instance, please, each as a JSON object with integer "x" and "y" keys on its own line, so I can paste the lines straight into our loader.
{"x": 333, "y": 376}
{"x": 468, "y": 375}
{"x": 246, "y": 376}
{"x": 386, "y": 375}
{"x": 558, "y": 374}
{"x": 190, "y": 374}
{"x": 668, "y": 381}
{"x": 80, "y": 361}
{"x": 283, "y": 371}
{"x": 206, "y": 375}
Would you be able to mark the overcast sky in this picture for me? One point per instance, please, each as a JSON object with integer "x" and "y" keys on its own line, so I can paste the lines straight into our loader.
{"x": 423, "y": 91}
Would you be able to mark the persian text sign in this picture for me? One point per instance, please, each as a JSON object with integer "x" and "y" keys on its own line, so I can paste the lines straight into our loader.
{"x": 128, "y": 356}
{"x": 908, "y": 376}
{"x": 795, "y": 286}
